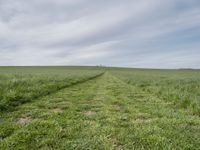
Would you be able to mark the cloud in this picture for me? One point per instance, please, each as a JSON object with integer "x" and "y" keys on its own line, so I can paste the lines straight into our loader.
{"x": 137, "y": 33}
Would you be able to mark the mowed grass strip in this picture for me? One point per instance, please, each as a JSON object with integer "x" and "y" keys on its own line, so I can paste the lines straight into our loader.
{"x": 103, "y": 113}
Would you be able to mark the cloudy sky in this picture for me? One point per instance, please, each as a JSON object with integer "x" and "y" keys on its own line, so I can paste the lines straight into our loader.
{"x": 132, "y": 33}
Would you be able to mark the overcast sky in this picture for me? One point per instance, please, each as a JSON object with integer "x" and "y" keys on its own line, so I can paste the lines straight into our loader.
{"x": 132, "y": 33}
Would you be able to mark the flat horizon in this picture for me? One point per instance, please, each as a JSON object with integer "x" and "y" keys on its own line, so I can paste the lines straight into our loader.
{"x": 104, "y": 67}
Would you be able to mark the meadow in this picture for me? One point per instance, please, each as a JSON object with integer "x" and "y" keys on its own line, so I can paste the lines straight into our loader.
{"x": 99, "y": 108}
{"x": 182, "y": 86}
{"x": 22, "y": 84}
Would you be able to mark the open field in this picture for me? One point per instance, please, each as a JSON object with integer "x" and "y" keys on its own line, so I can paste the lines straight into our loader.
{"x": 22, "y": 84}
{"x": 181, "y": 87}
{"x": 99, "y": 108}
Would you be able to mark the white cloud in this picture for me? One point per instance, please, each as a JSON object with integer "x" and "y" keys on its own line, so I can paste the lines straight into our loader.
{"x": 89, "y": 32}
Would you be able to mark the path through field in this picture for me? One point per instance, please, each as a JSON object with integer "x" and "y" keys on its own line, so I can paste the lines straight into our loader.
{"x": 103, "y": 113}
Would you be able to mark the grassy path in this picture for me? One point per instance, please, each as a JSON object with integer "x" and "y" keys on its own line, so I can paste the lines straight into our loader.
{"x": 103, "y": 113}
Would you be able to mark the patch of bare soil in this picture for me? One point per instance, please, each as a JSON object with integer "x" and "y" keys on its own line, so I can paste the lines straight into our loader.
{"x": 116, "y": 107}
{"x": 116, "y": 142}
{"x": 24, "y": 120}
{"x": 57, "y": 110}
{"x": 144, "y": 120}
{"x": 89, "y": 113}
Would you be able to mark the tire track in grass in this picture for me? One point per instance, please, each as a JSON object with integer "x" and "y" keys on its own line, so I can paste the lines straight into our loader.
{"x": 155, "y": 123}
{"x": 104, "y": 113}
{"x": 9, "y": 107}
{"x": 127, "y": 118}
{"x": 50, "y": 117}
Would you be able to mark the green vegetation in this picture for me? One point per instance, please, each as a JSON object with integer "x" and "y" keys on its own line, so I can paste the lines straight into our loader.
{"x": 23, "y": 84}
{"x": 118, "y": 109}
{"x": 182, "y": 87}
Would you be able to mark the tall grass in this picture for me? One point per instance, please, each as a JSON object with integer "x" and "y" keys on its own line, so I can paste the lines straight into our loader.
{"x": 182, "y": 87}
{"x": 19, "y": 85}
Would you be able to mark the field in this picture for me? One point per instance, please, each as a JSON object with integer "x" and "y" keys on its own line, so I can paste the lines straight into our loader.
{"x": 99, "y": 108}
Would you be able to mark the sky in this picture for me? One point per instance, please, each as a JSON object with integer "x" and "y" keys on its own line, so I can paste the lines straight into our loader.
{"x": 124, "y": 33}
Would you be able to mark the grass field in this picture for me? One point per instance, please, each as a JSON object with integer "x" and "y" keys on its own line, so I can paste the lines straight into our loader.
{"x": 22, "y": 84}
{"x": 99, "y": 108}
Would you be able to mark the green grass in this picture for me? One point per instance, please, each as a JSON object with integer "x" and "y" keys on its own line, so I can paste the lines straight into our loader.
{"x": 182, "y": 87}
{"x": 19, "y": 85}
{"x": 120, "y": 109}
